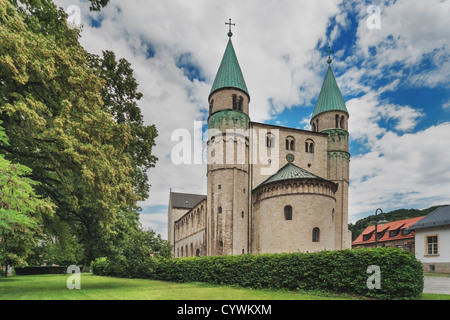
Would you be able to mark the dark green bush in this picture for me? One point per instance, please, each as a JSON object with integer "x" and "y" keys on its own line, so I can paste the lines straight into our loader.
{"x": 40, "y": 270}
{"x": 342, "y": 271}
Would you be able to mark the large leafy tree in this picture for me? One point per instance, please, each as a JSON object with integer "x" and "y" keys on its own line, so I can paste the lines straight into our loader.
{"x": 52, "y": 109}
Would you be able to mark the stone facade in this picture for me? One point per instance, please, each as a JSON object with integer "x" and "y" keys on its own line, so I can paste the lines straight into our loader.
{"x": 190, "y": 232}
{"x": 309, "y": 225}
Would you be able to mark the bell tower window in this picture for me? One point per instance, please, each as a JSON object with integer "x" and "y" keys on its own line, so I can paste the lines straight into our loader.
{"x": 235, "y": 102}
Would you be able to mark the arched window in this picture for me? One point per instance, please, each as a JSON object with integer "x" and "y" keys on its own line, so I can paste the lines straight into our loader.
{"x": 197, "y": 252}
{"x": 287, "y": 213}
{"x": 220, "y": 209}
{"x": 235, "y": 102}
{"x": 337, "y": 121}
{"x": 270, "y": 140}
{"x": 241, "y": 102}
{"x": 290, "y": 143}
{"x": 341, "y": 124}
{"x": 309, "y": 146}
{"x": 316, "y": 235}
{"x": 314, "y": 127}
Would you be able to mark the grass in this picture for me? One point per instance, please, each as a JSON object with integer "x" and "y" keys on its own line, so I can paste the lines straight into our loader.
{"x": 435, "y": 274}
{"x": 53, "y": 287}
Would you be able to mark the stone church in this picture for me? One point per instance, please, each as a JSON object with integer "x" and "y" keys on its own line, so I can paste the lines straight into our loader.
{"x": 270, "y": 188}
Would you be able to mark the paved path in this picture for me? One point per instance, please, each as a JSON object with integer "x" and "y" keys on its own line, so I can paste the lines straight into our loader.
{"x": 437, "y": 285}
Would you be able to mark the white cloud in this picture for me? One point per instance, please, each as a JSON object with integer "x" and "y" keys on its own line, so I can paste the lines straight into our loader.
{"x": 446, "y": 105}
{"x": 156, "y": 221}
{"x": 409, "y": 170}
{"x": 411, "y": 31}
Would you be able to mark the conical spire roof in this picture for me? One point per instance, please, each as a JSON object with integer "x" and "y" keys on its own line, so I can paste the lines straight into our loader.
{"x": 229, "y": 74}
{"x": 330, "y": 97}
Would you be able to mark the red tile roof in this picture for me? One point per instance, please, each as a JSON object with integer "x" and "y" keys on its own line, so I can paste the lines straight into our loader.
{"x": 387, "y": 227}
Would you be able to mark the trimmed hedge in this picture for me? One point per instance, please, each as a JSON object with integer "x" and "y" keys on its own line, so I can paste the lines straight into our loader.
{"x": 40, "y": 270}
{"x": 343, "y": 271}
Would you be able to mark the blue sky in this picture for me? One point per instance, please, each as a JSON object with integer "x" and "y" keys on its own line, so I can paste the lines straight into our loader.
{"x": 394, "y": 80}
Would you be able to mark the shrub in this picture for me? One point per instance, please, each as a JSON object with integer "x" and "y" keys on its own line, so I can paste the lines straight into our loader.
{"x": 40, "y": 270}
{"x": 343, "y": 271}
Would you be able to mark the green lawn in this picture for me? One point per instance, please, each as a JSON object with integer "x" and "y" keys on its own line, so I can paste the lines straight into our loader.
{"x": 53, "y": 287}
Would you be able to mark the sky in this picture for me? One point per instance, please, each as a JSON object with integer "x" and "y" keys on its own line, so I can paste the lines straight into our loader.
{"x": 391, "y": 61}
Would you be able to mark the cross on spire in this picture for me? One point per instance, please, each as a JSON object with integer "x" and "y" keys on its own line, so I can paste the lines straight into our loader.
{"x": 230, "y": 34}
{"x": 329, "y": 51}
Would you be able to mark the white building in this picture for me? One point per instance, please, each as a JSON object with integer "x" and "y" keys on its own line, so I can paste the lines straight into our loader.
{"x": 432, "y": 241}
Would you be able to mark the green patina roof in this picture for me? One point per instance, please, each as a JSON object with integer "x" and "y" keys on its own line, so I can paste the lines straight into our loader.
{"x": 330, "y": 97}
{"x": 229, "y": 74}
{"x": 288, "y": 172}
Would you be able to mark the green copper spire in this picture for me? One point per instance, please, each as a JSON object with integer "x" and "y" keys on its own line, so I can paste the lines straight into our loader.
{"x": 229, "y": 74}
{"x": 330, "y": 97}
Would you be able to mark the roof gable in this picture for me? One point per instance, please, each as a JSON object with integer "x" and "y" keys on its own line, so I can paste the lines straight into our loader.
{"x": 368, "y": 235}
{"x": 437, "y": 218}
{"x": 185, "y": 200}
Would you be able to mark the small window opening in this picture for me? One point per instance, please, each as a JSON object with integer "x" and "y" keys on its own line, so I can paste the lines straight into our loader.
{"x": 287, "y": 213}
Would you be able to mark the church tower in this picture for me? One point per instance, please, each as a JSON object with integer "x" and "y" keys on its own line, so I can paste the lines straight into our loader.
{"x": 228, "y": 166}
{"x": 331, "y": 116}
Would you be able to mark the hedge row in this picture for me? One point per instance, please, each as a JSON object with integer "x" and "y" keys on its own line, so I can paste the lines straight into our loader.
{"x": 40, "y": 270}
{"x": 342, "y": 271}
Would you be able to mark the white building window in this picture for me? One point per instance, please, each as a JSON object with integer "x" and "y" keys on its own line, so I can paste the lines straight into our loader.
{"x": 432, "y": 245}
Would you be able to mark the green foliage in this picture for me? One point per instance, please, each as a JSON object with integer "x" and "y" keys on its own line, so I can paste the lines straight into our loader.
{"x": 97, "y": 5}
{"x": 342, "y": 271}
{"x": 40, "y": 270}
{"x": 120, "y": 96}
{"x": 21, "y": 210}
{"x": 133, "y": 254}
